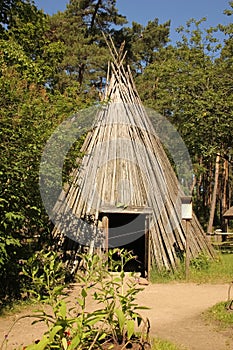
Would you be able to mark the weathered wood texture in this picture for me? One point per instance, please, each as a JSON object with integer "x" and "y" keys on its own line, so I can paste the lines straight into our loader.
{"x": 229, "y": 213}
{"x": 125, "y": 165}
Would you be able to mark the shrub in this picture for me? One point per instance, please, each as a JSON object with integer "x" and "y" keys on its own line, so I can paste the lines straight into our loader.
{"x": 41, "y": 274}
{"x": 201, "y": 262}
{"x": 116, "y": 322}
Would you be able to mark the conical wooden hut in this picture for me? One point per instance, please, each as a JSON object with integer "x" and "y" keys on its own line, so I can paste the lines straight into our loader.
{"x": 125, "y": 192}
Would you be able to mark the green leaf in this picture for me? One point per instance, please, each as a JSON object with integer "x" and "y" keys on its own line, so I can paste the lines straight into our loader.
{"x": 102, "y": 337}
{"x": 83, "y": 293}
{"x": 62, "y": 309}
{"x": 93, "y": 319}
{"x": 64, "y": 343}
{"x": 117, "y": 280}
{"x": 142, "y": 308}
{"x": 130, "y": 328}
{"x": 75, "y": 341}
{"x": 122, "y": 274}
{"x": 53, "y": 332}
{"x": 121, "y": 318}
{"x": 80, "y": 301}
{"x": 12, "y": 216}
{"x": 41, "y": 345}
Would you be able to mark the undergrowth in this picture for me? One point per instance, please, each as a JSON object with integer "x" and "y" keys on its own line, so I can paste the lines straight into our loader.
{"x": 159, "y": 344}
{"x": 202, "y": 270}
{"x": 39, "y": 275}
{"x": 220, "y": 313}
{"x": 17, "y": 306}
{"x": 116, "y": 320}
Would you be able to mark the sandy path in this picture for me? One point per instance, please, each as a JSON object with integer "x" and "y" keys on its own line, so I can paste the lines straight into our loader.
{"x": 174, "y": 314}
{"x": 176, "y": 310}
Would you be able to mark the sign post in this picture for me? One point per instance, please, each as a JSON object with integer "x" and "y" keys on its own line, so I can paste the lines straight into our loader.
{"x": 186, "y": 214}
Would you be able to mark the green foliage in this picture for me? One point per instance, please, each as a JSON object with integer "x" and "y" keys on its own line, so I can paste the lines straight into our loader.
{"x": 43, "y": 274}
{"x": 159, "y": 344}
{"x": 143, "y": 42}
{"x": 201, "y": 262}
{"x": 23, "y": 107}
{"x": 29, "y": 114}
{"x": 5, "y": 9}
{"x": 26, "y": 45}
{"x": 164, "y": 275}
{"x": 28, "y": 59}
{"x": 188, "y": 87}
{"x": 80, "y": 28}
{"x": 114, "y": 323}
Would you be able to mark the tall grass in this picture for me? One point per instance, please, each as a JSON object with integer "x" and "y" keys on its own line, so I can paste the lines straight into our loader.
{"x": 202, "y": 270}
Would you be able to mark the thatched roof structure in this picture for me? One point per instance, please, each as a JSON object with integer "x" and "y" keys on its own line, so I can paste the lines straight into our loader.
{"x": 229, "y": 213}
{"x": 125, "y": 170}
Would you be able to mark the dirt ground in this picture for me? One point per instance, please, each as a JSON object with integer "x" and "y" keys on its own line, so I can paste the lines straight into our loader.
{"x": 175, "y": 314}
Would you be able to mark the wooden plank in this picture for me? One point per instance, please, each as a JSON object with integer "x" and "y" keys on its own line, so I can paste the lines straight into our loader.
{"x": 221, "y": 234}
{"x": 105, "y": 223}
{"x": 127, "y": 210}
{"x": 147, "y": 259}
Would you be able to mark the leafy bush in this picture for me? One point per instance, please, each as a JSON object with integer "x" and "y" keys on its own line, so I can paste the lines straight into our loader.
{"x": 115, "y": 322}
{"x": 42, "y": 274}
{"x": 201, "y": 262}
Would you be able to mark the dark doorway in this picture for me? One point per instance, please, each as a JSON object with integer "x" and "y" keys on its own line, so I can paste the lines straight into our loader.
{"x": 127, "y": 231}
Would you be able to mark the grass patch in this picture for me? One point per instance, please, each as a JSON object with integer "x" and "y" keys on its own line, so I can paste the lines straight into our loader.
{"x": 17, "y": 306}
{"x": 159, "y": 344}
{"x": 165, "y": 276}
{"x": 219, "y": 313}
{"x": 202, "y": 270}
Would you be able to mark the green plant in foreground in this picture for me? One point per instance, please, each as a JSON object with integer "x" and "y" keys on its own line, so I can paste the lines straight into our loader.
{"x": 115, "y": 322}
{"x": 118, "y": 294}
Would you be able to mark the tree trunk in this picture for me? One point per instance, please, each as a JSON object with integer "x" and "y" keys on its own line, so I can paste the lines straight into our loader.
{"x": 225, "y": 203}
{"x": 214, "y": 195}
{"x": 225, "y": 186}
{"x": 97, "y": 6}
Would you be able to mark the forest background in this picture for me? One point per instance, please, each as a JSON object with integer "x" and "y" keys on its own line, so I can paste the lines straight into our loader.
{"x": 55, "y": 65}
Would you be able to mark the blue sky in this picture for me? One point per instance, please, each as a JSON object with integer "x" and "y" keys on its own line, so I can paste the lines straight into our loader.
{"x": 141, "y": 11}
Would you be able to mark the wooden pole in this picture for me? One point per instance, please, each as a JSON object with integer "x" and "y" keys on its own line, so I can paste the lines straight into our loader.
{"x": 187, "y": 259}
{"x": 214, "y": 196}
{"x": 147, "y": 261}
{"x": 105, "y": 223}
{"x": 149, "y": 255}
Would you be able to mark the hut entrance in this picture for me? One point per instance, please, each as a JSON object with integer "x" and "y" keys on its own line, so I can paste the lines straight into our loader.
{"x": 129, "y": 230}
